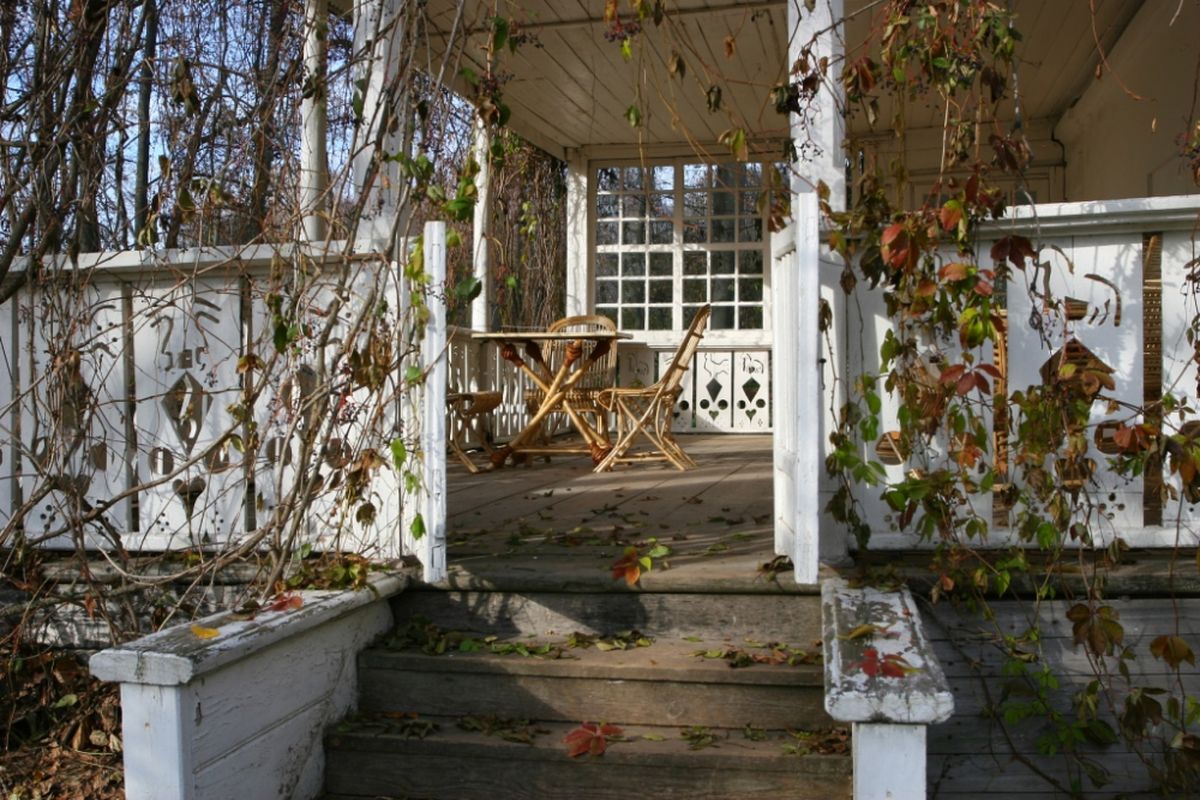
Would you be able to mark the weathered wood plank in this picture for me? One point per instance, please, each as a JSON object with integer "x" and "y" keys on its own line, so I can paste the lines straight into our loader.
{"x": 971, "y": 754}
{"x": 663, "y": 684}
{"x": 453, "y": 763}
{"x": 765, "y": 617}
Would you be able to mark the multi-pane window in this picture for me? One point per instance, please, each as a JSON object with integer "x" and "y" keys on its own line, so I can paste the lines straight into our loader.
{"x": 671, "y": 237}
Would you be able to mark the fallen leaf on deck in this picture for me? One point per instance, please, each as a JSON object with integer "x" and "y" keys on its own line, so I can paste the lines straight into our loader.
{"x": 590, "y": 738}
{"x": 286, "y": 601}
{"x": 201, "y": 632}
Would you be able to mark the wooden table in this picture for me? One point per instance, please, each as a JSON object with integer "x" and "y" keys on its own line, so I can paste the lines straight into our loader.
{"x": 584, "y": 348}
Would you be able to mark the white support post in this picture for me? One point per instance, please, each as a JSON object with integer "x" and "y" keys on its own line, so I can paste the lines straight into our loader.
{"x": 578, "y": 289}
{"x": 314, "y": 169}
{"x": 889, "y": 761}
{"x": 377, "y": 31}
{"x": 482, "y": 305}
{"x": 824, "y": 129}
{"x": 432, "y": 546}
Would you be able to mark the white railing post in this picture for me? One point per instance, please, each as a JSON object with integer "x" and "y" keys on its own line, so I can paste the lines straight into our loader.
{"x": 481, "y": 307}
{"x": 432, "y": 545}
{"x": 889, "y": 761}
{"x": 889, "y": 714}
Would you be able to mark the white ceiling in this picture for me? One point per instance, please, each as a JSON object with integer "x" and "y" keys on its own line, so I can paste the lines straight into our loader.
{"x": 570, "y": 87}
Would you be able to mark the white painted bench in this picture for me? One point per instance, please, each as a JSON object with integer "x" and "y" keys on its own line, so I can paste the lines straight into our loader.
{"x": 242, "y": 712}
{"x": 882, "y": 677}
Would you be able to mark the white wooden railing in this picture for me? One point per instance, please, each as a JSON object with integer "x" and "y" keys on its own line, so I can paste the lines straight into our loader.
{"x": 1128, "y": 266}
{"x": 132, "y": 381}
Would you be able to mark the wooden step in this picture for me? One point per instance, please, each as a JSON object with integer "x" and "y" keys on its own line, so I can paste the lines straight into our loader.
{"x": 764, "y": 615}
{"x": 663, "y": 683}
{"x": 382, "y": 758}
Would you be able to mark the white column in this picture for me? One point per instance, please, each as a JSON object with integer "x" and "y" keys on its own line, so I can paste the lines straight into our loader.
{"x": 481, "y": 247}
{"x": 578, "y": 285}
{"x": 817, "y": 269}
{"x": 314, "y": 170}
{"x": 826, "y": 129}
{"x": 889, "y": 761}
{"x": 377, "y": 34}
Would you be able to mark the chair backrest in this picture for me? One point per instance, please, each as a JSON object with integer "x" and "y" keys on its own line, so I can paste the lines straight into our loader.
{"x": 603, "y": 372}
{"x": 673, "y": 377}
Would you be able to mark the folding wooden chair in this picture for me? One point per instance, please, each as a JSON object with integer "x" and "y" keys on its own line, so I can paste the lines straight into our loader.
{"x": 646, "y": 414}
{"x": 600, "y": 376}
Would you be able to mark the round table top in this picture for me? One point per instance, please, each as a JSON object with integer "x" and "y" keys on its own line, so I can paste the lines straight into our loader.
{"x": 548, "y": 336}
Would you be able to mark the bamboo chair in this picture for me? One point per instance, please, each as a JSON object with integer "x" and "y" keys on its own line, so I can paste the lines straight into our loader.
{"x": 647, "y": 413}
{"x": 468, "y": 409}
{"x": 600, "y": 376}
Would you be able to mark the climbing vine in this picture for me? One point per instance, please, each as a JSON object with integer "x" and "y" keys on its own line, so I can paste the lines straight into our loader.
{"x": 976, "y": 456}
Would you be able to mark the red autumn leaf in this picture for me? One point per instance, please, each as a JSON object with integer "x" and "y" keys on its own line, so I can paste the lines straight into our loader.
{"x": 1123, "y": 436}
{"x": 1174, "y": 650}
{"x": 972, "y": 189}
{"x": 972, "y": 380}
{"x": 627, "y": 567}
{"x": 983, "y": 288}
{"x": 590, "y": 738}
{"x": 870, "y": 662}
{"x": 285, "y": 601}
{"x": 950, "y": 215}
{"x": 892, "y": 665}
{"x": 895, "y": 245}
{"x": 955, "y": 271}
{"x": 926, "y": 288}
{"x": 990, "y": 369}
{"x": 952, "y": 374}
{"x": 890, "y": 233}
{"x": 1013, "y": 248}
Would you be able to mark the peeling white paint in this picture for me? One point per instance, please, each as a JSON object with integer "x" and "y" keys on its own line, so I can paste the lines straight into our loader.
{"x": 243, "y": 713}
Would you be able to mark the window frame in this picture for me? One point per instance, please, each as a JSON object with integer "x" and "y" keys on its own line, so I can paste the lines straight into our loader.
{"x": 714, "y": 337}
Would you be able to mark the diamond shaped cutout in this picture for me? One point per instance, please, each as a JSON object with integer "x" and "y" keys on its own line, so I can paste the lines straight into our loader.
{"x": 186, "y": 403}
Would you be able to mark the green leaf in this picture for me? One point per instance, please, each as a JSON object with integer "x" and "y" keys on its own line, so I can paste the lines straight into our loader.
{"x": 412, "y": 374}
{"x": 66, "y": 701}
{"x": 627, "y": 48}
{"x": 417, "y": 528}
{"x": 633, "y": 115}
{"x": 399, "y": 453}
{"x": 468, "y": 289}
{"x": 499, "y": 33}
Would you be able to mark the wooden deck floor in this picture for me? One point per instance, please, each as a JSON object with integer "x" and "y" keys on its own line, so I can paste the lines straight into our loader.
{"x": 559, "y": 524}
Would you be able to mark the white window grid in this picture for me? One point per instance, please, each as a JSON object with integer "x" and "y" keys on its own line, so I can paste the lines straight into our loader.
{"x": 674, "y": 235}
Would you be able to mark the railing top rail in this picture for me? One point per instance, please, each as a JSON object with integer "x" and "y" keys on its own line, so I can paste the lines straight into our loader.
{"x": 1135, "y": 214}
{"x": 200, "y": 259}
